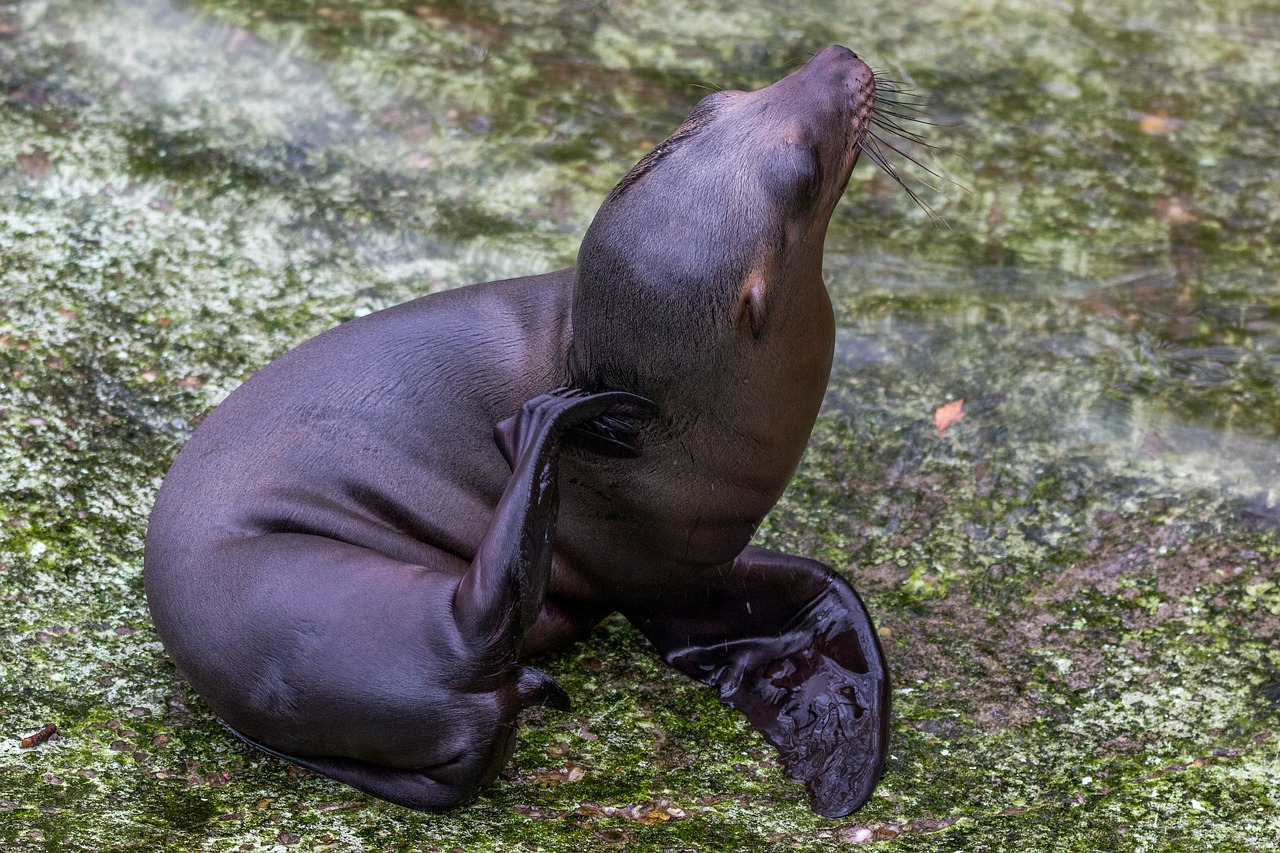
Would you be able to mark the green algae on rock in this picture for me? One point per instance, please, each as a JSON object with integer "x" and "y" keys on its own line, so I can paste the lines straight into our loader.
{"x": 1076, "y": 586}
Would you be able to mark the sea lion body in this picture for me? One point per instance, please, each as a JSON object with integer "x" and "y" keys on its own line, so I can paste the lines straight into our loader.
{"x": 356, "y": 548}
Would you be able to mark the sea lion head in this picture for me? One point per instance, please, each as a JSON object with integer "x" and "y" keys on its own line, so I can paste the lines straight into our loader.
{"x": 694, "y": 254}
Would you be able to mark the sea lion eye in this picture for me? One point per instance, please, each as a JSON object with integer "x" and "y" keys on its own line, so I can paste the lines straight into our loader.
{"x": 795, "y": 173}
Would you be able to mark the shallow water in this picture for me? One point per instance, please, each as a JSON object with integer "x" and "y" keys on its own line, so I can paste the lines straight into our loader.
{"x": 187, "y": 189}
{"x": 1107, "y": 205}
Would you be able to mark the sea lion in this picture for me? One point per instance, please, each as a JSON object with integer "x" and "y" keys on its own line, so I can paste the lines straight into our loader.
{"x": 352, "y": 554}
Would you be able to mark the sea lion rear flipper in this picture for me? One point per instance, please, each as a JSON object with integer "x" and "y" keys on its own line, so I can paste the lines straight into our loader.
{"x": 789, "y": 643}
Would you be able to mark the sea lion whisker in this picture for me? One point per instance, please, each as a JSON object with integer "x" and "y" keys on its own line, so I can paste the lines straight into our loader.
{"x": 888, "y": 108}
{"x": 884, "y": 120}
{"x": 883, "y": 80}
{"x": 918, "y": 119}
{"x": 906, "y": 112}
{"x": 891, "y": 126}
{"x": 860, "y": 140}
{"x": 909, "y": 104}
{"x": 907, "y": 97}
{"x": 899, "y": 89}
{"x": 878, "y": 157}
{"x": 885, "y": 84}
{"x": 892, "y": 102}
{"x": 881, "y": 159}
{"x": 906, "y": 156}
{"x": 881, "y": 74}
{"x": 913, "y": 113}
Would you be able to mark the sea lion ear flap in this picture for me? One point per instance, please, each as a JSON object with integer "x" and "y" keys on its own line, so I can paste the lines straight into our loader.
{"x": 750, "y": 308}
{"x": 535, "y": 687}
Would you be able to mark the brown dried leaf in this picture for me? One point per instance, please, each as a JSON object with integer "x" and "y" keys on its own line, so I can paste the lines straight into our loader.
{"x": 36, "y": 164}
{"x": 946, "y": 415}
{"x": 1158, "y": 125}
{"x": 1174, "y": 211}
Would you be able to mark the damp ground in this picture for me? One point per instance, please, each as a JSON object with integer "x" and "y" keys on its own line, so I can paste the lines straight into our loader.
{"x": 1077, "y": 584}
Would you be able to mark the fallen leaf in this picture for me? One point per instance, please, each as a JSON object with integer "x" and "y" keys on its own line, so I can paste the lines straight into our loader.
{"x": 1173, "y": 211}
{"x": 36, "y": 164}
{"x": 947, "y": 415}
{"x": 1158, "y": 125}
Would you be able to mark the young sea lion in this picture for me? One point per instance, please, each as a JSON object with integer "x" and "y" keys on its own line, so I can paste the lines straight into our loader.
{"x": 353, "y": 552}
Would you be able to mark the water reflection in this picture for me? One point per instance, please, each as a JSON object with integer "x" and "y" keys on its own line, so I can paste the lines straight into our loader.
{"x": 1167, "y": 378}
{"x": 1115, "y": 249}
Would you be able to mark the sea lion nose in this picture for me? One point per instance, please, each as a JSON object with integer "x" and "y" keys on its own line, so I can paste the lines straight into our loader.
{"x": 837, "y": 52}
{"x": 837, "y": 59}
{"x": 840, "y": 62}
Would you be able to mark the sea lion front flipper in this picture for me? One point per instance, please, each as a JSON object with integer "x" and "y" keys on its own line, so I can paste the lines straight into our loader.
{"x": 499, "y": 597}
{"x": 609, "y": 433}
{"x": 790, "y": 644}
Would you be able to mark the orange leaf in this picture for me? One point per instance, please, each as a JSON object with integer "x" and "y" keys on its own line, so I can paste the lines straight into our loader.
{"x": 1158, "y": 125}
{"x": 945, "y": 416}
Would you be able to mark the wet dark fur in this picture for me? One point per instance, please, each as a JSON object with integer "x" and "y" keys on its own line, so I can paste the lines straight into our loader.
{"x": 355, "y": 552}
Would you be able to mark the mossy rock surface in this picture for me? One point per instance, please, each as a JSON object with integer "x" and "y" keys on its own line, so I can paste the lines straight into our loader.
{"x": 1078, "y": 584}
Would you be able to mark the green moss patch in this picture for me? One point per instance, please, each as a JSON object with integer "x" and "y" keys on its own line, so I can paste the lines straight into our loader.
{"x": 1077, "y": 585}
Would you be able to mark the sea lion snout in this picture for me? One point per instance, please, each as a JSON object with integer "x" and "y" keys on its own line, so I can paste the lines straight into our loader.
{"x": 839, "y": 62}
{"x": 833, "y": 96}
{"x": 837, "y": 59}
{"x": 824, "y": 106}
